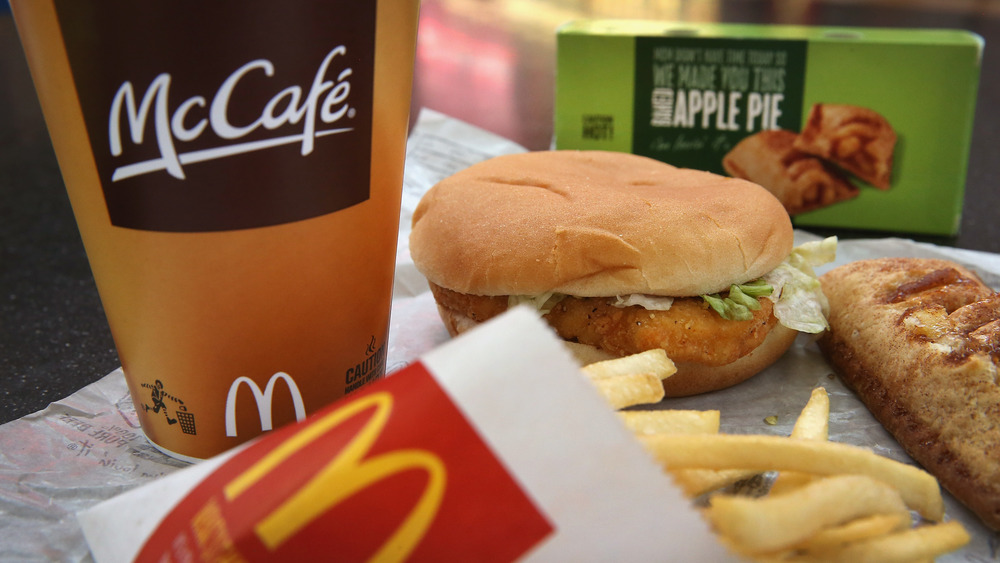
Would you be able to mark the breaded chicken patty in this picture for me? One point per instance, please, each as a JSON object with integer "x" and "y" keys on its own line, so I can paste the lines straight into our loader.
{"x": 689, "y": 331}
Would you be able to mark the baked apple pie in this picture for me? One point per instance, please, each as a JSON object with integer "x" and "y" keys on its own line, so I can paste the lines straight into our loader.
{"x": 799, "y": 180}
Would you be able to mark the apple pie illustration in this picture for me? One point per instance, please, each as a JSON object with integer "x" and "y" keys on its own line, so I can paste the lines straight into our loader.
{"x": 857, "y": 139}
{"x": 799, "y": 180}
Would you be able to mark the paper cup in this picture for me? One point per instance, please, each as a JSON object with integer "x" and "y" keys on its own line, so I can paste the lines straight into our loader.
{"x": 235, "y": 171}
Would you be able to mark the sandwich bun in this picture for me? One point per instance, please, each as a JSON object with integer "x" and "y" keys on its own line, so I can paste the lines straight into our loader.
{"x": 595, "y": 224}
{"x": 693, "y": 378}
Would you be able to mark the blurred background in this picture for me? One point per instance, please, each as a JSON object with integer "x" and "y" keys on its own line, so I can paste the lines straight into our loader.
{"x": 502, "y": 52}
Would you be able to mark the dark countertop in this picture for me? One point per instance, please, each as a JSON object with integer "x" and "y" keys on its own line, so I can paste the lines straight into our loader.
{"x": 54, "y": 338}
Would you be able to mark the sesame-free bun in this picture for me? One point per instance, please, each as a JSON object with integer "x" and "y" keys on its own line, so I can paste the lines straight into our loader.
{"x": 594, "y": 223}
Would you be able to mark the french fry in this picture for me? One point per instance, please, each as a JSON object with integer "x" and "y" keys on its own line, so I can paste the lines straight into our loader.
{"x": 919, "y": 489}
{"x": 671, "y": 421}
{"x": 630, "y": 389}
{"x": 695, "y": 482}
{"x": 814, "y": 420}
{"x": 631, "y": 380}
{"x": 767, "y": 524}
{"x": 830, "y": 502}
{"x": 654, "y": 362}
{"x": 813, "y": 424}
{"x": 915, "y": 544}
{"x": 857, "y": 530}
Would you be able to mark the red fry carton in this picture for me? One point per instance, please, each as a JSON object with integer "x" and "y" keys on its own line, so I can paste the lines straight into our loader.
{"x": 492, "y": 447}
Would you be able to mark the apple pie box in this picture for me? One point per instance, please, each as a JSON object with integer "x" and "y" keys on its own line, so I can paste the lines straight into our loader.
{"x": 858, "y": 128}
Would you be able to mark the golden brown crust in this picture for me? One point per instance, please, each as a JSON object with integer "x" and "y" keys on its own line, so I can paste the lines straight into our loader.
{"x": 595, "y": 223}
{"x": 478, "y": 308}
{"x": 857, "y": 139}
{"x": 918, "y": 341}
{"x": 800, "y": 181}
{"x": 689, "y": 331}
{"x": 710, "y": 352}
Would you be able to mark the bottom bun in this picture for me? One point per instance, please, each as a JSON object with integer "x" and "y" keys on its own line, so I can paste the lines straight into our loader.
{"x": 691, "y": 378}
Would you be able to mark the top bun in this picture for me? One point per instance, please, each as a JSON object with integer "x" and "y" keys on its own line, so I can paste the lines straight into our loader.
{"x": 593, "y": 224}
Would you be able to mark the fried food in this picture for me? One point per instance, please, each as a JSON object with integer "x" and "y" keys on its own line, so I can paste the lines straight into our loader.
{"x": 849, "y": 504}
{"x": 918, "y": 488}
{"x": 671, "y": 421}
{"x": 776, "y": 522}
{"x": 689, "y": 331}
{"x": 631, "y": 380}
{"x": 919, "y": 341}
{"x": 857, "y": 139}
{"x": 799, "y": 180}
{"x": 604, "y": 225}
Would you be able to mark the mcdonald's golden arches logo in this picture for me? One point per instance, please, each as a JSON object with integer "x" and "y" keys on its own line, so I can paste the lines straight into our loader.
{"x": 394, "y": 472}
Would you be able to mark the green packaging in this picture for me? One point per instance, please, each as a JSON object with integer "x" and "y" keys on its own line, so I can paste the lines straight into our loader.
{"x": 868, "y": 128}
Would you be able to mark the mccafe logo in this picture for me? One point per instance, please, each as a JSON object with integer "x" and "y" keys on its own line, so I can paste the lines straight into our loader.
{"x": 238, "y": 118}
{"x": 325, "y": 102}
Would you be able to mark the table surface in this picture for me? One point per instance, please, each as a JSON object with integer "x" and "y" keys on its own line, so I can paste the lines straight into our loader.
{"x": 489, "y": 63}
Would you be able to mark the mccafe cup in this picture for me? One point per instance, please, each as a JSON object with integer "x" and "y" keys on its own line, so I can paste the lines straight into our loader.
{"x": 235, "y": 171}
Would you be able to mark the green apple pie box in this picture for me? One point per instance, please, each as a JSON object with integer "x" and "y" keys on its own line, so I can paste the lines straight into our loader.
{"x": 857, "y": 128}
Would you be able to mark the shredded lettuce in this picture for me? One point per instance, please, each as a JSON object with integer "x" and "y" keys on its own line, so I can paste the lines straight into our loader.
{"x": 793, "y": 287}
{"x": 742, "y": 299}
{"x": 648, "y": 302}
{"x": 799, "y": 302}
{"x": 543, "y": 303}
